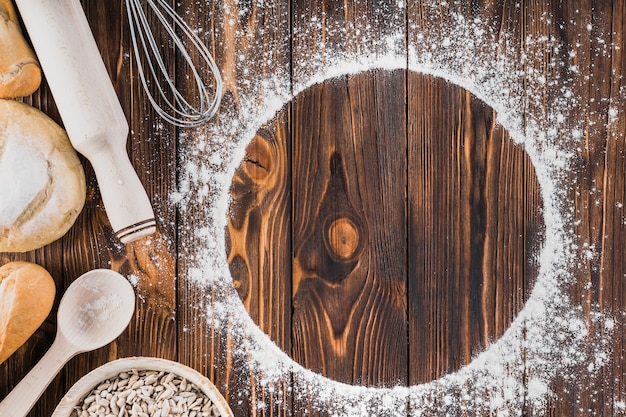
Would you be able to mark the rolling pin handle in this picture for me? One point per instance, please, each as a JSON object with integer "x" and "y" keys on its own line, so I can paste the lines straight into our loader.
{"x": 125, "y": 200}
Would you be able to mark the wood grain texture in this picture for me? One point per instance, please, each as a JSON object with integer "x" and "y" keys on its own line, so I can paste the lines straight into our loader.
{"x": 259, "y": 236}
{"x": 349, "y": 141}
{"x": 349, "y": 169}
{"x": 256, "y": 34}
{"x": 599, "y": 191}
{"x": 384, "y": 227}
{"x": 259, "y": 231}
{"x": 467, "y": 204}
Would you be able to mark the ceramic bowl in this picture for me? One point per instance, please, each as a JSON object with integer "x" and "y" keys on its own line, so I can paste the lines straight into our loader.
{"x": 87, "y": 383}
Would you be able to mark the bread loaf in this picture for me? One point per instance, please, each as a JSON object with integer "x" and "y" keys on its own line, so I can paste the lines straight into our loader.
{"x": 26, "y": 296}
{"x": 20, "y": 73}
{"x": 42, "y": 183}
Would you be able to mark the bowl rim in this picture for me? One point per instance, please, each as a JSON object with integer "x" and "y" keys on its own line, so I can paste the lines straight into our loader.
{"x": 91, "y": 380}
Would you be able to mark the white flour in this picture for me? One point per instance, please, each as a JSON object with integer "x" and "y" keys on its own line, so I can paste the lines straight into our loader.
{"x": 551, "y": 331}
{"x": 99, "y": 311}
{"x": 24, "y": 174}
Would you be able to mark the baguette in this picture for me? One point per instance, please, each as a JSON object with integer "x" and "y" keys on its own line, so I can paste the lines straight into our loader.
{"x": 20, "y": 73}
{"x": 26, "y": 296}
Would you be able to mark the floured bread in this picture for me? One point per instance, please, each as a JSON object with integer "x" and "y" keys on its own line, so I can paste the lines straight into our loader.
{"x": 26, "y": 295}
{"x": 42, "y": 183}
{"x": 20, "y": 74}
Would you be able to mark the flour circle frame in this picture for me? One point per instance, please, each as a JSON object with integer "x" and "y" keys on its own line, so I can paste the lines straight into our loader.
{"x": 492, "y": 379}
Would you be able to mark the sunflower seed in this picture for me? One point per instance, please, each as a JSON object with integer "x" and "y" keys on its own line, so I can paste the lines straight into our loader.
{"x": 138, "y": 393}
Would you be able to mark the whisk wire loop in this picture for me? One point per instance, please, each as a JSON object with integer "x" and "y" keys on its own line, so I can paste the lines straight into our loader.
{"x": 176, "y": 109}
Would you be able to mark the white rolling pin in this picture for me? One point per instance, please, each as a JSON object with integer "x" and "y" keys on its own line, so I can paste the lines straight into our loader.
{"x": 90, "y": 109}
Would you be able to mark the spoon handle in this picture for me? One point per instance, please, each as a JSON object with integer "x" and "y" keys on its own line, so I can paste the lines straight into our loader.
{"x": 22, "y": 398}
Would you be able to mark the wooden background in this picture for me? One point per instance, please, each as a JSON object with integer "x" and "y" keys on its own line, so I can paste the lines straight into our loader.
{"x": 383, "y": 227}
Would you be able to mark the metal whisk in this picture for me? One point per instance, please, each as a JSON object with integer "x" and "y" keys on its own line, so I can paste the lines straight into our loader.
{"x": 176, "y": 108}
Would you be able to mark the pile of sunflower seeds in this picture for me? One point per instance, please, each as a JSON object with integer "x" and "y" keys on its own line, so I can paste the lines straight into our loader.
{"x": 146, "y": 394}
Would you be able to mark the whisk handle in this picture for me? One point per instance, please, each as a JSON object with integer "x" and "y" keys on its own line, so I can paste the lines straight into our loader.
{"x": 89, "y": 107}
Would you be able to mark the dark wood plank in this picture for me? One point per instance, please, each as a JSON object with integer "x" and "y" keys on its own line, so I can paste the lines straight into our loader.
{"x": 348, "y": 143}
{"x": 259, "y": 235}
{"x": 350, "y": 229}
{"x": 596, "y": 39}
{"x": 475, "y": 205}
{"x": 152, "y": 146}
{"x": 468, "y": 202}
{"x": 250, "y": 42}
{"x": 571, "y": 396}
{"x": 613, "y": 263}
{"x": 259, "y": 240}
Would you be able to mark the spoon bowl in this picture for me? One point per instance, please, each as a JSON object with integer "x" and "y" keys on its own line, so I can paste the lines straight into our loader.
{"x": 94, "y": 310}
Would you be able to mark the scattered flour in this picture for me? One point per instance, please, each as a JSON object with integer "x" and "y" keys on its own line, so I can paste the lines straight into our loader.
{"x": 548, "y": 339}
{"x": 99, "y": 311}
{"x": 24, "y": 174}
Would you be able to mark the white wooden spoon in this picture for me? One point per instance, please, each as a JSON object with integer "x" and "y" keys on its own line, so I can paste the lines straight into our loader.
{"x": 94, "y": 311}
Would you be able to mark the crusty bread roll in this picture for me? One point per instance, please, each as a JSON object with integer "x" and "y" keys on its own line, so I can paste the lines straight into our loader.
{"x": 20, "y": 73}
{"x": 42, "y": 183}
{"x": 26, "y": 296}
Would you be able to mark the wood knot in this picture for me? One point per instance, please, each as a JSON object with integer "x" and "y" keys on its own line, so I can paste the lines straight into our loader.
{"x": 343, "y": 237}
{"x": 258, "y": 161}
